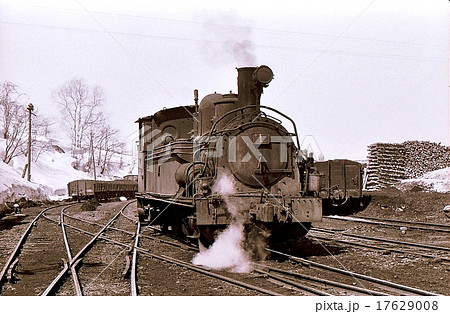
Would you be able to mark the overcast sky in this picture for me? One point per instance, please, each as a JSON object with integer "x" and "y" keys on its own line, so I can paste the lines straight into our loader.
{"x": 350, "y": 73}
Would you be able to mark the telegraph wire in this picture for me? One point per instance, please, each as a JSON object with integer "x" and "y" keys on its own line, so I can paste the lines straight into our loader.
{"x": 134, "y": 58}
{"x": 131, "y": 16}
{"x": 322, "y": 52}
{"x": 436, "y": 59}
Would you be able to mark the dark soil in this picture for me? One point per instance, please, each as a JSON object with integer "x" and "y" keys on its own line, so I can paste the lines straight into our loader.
{"x": 90, "y": 205}
{"x": 413, "y": 206}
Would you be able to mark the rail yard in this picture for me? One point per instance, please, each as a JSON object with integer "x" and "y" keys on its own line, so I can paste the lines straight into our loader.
{"x": 226, "y": 203}
{"x": 108, "y": 252}
{"x": 225, "y": 156}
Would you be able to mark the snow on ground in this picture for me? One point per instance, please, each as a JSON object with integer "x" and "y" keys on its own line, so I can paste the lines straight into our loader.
{"x": 438, "y": 180}
{"x": 12, "y": 185}
{"x": 49, "y": 176}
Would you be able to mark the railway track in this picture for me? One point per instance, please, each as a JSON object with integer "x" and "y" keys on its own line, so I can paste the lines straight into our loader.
{"x": 238, "y": 284}
{"x": 134, "y": 242}
{"x": 382, "y": 244}
{"x": 31, "y": 247}
{"x": 391, "y": 288}
{"x": 130, "y": 246}
{"x": 41, "y": 253}
{"x": 424, "y": 226}
{"x": 205, "y": 271}
{"x": 91, "y": 267}
{"x": 167, "y": 259}
{"x": 145, "y": 252}
{"x": 314, "y": 285}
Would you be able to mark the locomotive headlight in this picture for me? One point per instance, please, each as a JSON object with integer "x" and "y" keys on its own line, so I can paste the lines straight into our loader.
{"x": 263, "y": 74}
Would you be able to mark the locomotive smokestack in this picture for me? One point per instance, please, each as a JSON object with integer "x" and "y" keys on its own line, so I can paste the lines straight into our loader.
{"x": 246, "y": 85}
{"x": 251, "y": 81}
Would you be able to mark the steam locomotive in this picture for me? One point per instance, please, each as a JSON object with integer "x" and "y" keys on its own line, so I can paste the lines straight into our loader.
{"x": 185, "y": 151}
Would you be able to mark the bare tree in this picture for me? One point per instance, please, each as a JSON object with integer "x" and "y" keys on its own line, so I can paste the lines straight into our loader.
{"x": 94, "y": 142}
{"x": 108, "y": 145}
{"x": 81, "y": 108}
{"x": 12, "y": 120}
{"x": 16, "y": 134}
{"x": 9, "y": 100}
{"x": 104, "y": 146}
{"x": 41, "y": 133}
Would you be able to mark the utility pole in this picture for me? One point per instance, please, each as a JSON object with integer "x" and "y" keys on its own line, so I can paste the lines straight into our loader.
{"x": 92, "y": 156}
{"x": 30, "y": 109}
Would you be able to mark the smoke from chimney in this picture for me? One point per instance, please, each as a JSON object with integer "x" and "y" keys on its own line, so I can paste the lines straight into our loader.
{"x": 242, "y": 52}
{"x": 228, "y": 39}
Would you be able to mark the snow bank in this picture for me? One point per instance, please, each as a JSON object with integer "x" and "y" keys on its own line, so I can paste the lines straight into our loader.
{"x": 438, "y": 181}
{"x": 12, "y": 186}
{"x": 49, "y": 176}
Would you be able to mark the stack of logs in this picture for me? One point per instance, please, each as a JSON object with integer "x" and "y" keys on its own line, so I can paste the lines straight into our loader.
{"x": 386, "y": 165}
{"x": 389, "y": 163}
{"x": 422, "y": 157}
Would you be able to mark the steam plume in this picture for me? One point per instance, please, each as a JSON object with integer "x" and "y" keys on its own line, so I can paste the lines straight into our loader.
{"x": 227, "y": 252}
{"x": 228, "y": 41}
{"x": 242, "y": 51}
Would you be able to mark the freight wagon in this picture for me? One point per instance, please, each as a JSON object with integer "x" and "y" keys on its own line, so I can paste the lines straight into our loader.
{"x": 341, "y": 186}
{"x": 101, "y": 190}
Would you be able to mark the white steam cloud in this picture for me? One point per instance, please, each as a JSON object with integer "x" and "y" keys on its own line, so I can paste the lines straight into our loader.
{"x": 227, "y": 38}
{"x": 224, "y": 186}
{"x": 227, "y": 252}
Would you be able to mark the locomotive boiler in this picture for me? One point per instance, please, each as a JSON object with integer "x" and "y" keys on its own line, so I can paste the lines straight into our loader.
{"x": 185, "y": 151}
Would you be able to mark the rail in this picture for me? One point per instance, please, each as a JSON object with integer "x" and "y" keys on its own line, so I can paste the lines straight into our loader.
{"x": 390, "y": 249}
{"x": 408, "y": 222}
{"x": 22, "y": 240}
{"x": 76, "y": 280}
{"x": 323, "y": 281}
{"x": 394, "y": 223}
{"x": 134, "y": 288}
{"x": 355, "y": 275}
{"x": 174, "y": 261}
{"x": 81, "y": 253}
{"x": 425, "y": 246}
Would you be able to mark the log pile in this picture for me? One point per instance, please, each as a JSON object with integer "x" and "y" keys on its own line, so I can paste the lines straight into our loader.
{"x": 389, "y": 163}
{"x": 422, "y": 157}
{"x": 386, "y": 165}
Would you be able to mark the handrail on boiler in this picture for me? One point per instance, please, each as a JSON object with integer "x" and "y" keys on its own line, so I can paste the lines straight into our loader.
{"x": 261, "y": 106}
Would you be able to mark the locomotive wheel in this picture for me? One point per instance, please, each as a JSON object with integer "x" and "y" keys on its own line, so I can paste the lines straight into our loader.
{"x": 206, "y": 237}
{"x": 289, "y": 231}
{"x": 142, "y": 214}
{"x": 141, "y": 218}
{"x": 256, "y": 238}
{"x": 172, "y": 230}
{"x": 171, "y": 223}
{"x": 204, "y": 241}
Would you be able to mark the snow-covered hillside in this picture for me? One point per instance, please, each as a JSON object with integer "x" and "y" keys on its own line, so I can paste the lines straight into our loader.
{"x": 49, "y": 175}
{"x": 438, "y": 181}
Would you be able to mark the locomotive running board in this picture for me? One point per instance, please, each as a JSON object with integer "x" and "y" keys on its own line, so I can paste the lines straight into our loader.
{"x": 167, "y": 201}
